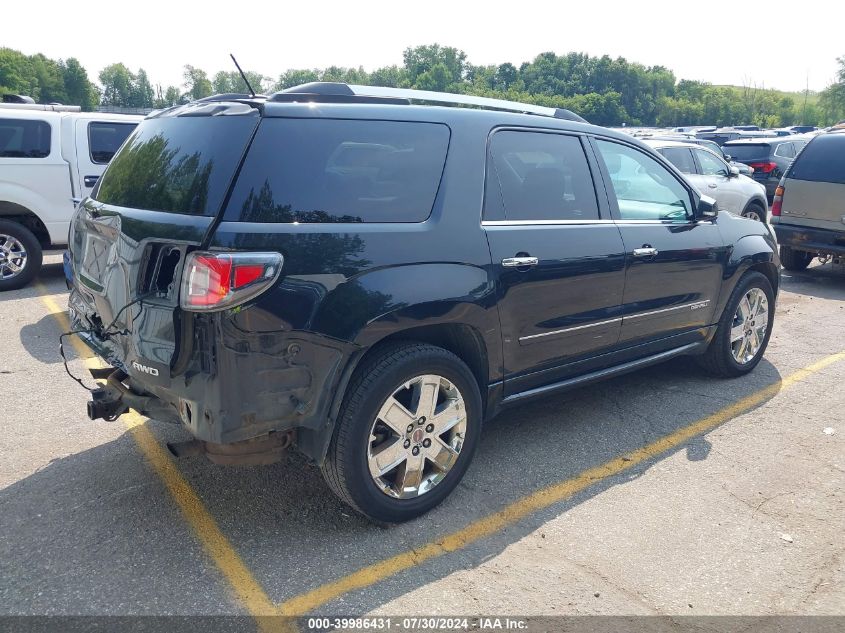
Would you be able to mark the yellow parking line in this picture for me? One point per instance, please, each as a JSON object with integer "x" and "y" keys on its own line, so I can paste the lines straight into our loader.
{"x": 258, "y": 603}
{"x": 246, "y": 588}
{"x": 540, "y": 499}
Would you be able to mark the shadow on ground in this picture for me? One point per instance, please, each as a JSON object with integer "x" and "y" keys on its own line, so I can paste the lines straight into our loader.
{"x": 97, "y": 532}
{"x": 823, "y": 281}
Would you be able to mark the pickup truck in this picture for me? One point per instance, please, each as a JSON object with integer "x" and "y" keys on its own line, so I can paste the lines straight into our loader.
{"x": 51, "y": 157}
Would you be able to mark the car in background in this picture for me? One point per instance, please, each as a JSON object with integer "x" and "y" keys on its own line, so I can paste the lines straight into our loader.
{"x": 803, "y": 129}
{"x": 808, "y": 213}
{"x": 770, "y": 157}
{"x": 745, "y": 170}
{"x": 725, "y": 134}
{"x": 714, "y": 177}
{"x": 50, "y": 158}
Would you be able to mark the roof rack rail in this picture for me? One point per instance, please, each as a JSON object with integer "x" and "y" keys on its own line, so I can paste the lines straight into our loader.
{"x": 325, "y": 91}
{"x": 44, "y": 107}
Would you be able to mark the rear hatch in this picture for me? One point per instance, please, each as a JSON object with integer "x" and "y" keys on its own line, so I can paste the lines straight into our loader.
{"x": 157, "y": 201}
{"x": 757, "y": 155}
{"x": 814, "y": 187}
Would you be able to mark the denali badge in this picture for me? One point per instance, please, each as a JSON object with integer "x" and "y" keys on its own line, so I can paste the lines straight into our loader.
{"x": 699, "y": 305}
{"x": 152, "y": 371}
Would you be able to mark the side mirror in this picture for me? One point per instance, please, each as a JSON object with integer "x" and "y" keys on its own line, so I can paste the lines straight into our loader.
{"x": 707, "y": 208}
{"x": 733, "y": 171}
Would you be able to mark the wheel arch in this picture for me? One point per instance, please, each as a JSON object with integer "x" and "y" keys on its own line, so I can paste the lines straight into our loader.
{"x": 23, "y": 215}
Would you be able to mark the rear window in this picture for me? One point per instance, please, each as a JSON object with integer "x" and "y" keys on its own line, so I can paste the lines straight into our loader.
{"x": 104, "y": 139}
{"x": 744, "y": 153}
{"x": 24, "y": 138}
{"x": 333, "y": 170}
{"x": 822, "y": 160}
{"x": 177, "y": 164}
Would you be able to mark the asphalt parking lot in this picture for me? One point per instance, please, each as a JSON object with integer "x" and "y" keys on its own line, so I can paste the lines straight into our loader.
{"x": 662, "y": 492}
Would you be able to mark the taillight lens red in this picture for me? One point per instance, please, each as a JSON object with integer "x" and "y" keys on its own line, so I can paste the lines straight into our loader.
{"x": 214, "y": 281}
{"x": 777, "y": 203}
{"x": 766, "y": 168}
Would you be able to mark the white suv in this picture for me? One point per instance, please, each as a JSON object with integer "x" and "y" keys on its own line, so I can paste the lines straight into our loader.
{"x": 712, "y": 176}
{"x": 50, "y": 157}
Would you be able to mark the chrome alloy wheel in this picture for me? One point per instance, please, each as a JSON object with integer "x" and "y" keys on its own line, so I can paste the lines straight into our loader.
{"x": 752, "y": 215}
{"x": 751, "y": 321}
{"x": 12, "y": 257}
{"x": 417, "y": 436}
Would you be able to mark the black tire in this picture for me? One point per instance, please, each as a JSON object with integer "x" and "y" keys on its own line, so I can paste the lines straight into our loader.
{"x": 346, "y": 469}
{"x": 758, "y": 211}
{"x": 33, "y": 255}
{"x": 793, "y": 260}
{"x": 719, "y": 359}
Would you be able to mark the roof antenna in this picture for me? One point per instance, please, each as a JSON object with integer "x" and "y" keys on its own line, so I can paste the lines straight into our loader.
{"x": 243, "y": 75}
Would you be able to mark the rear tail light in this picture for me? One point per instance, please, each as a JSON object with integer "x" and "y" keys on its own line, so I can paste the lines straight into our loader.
{"x": 766, "y": 168}
{"x": 777, "y": 203}
{"x": 215, "y": 281}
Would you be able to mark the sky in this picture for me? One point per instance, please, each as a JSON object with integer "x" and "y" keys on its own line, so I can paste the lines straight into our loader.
{"x": 741, "y": 43}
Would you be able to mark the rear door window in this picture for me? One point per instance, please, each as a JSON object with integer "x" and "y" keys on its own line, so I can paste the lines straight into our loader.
{"x": 334, "y": 170}
{"x": 24, "y": 138}
{"x": 540, "y": 176}
{"x": 104, "y": 139}
{"x": 822, "y": 160}
{"x": 680, "y": 157}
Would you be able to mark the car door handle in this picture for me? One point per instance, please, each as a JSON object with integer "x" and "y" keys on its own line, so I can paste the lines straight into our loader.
{"x": 519, "y": 262}
{"x": 90, "y": 181}
{"x": 645, "y": 251}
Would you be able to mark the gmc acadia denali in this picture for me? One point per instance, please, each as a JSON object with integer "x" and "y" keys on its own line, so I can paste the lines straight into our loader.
{"x": 369, "y": 280}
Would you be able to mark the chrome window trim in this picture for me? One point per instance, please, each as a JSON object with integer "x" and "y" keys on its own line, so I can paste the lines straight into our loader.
{"x": 692, "y": 305}
{"x": 570, "y": 329}
{"x": 541, "y": 222}
{"x": 581, "y": 222}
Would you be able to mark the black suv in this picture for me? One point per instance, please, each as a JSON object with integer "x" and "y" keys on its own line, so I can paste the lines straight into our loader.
{"x": 770, "y": 157}
{"x": 336, "y": 268}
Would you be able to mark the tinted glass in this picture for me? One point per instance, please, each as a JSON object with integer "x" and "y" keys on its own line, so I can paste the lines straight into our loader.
{"x": 822, "y": 160}
{"x": 104, "y": 139}
{"x": 542, "y": 177}
{"x": 644, "y": 189}
{"x": 745, "y": 153}
{"x": 328, "y": 170}
{"x": 710, "y": 165}
{"x": 680, "y": 157}
{"x": 24, "y": 138}
{"x": 177, "y": 164}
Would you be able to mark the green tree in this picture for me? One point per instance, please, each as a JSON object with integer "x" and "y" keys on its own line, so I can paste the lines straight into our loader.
{"x": 420, "y": 60}
{"x": 197, "y": 85}
{"x": 118, "y": 85}
{"x": 291, "y": 78}
{"x": 78, "y": 88}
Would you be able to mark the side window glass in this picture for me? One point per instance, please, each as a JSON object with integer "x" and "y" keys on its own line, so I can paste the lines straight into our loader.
{"x": 104, "y": 139}
{"x": 785, "y": 150}
{"x": 541, "y": 176}
{"x": 644, "y": 189}
{"x": 24, "y": 138}
{"x": 680, "y": 157}
{"x": 710, "y": 165}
